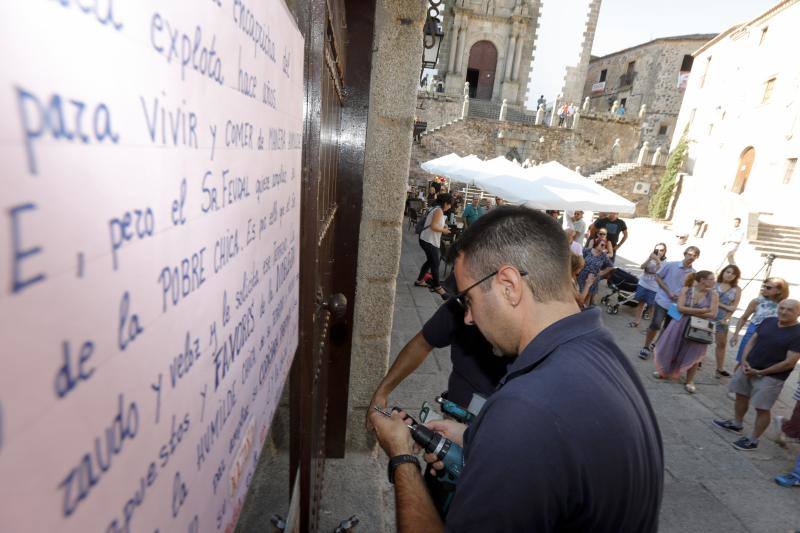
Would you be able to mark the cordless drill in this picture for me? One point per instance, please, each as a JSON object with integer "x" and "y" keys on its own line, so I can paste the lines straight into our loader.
{"x": 455, "y": 410}
{"x": 445, "y": 450}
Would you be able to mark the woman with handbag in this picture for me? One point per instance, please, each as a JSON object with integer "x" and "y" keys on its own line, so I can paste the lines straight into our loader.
{"x": 683, "y": 344}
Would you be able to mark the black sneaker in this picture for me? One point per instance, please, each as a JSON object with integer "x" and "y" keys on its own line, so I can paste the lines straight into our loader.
{"x": 644, "y": 353}
{"x": 745, "y": 444}
{"x": 728, "y": 425}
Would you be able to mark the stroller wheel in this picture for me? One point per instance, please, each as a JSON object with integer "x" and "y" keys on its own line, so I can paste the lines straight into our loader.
{"x": 604, "y": 299}
{"x": 610, "y": 309}
{"x": 614, "y": 309}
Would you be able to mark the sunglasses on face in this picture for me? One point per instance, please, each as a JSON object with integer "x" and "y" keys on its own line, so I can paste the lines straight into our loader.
{"x": 461, "y": 297}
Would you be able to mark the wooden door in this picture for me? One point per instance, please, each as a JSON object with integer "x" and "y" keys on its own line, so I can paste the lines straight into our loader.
{"x": 330, "y": 218}
{"x": 483, "y": 58}
{"x": 743, "y": 171}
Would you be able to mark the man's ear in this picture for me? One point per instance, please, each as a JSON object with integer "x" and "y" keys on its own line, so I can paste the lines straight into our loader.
{"x": 511, "y": 283}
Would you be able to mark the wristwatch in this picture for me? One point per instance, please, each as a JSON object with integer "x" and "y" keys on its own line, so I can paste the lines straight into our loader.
{"x": 397, "y": 460}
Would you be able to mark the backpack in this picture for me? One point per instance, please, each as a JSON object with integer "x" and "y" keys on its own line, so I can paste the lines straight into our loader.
{"x": 420, "y": 227}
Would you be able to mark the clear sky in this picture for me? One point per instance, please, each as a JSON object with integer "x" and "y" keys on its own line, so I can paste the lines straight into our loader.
{"x": 623, "y": 23}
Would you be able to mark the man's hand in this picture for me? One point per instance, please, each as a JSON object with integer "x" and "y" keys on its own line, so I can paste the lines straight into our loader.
{"x": 450, "y": 429}
{"x": 673, "y": 296}
{"x": 392, "y": 433}
{"x": 734, "y": 340}
{"x": 379, "y": 399}
{"x": 446, "y": 230}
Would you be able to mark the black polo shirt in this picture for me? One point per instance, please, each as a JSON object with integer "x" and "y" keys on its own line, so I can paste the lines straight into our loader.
{"x": 568, "y": 441}
{"x": 772, "y": 344}
{"x": 475, "y": 367}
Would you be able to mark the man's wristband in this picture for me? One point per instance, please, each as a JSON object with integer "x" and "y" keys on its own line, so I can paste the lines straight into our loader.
{"x": 397, "y": 460}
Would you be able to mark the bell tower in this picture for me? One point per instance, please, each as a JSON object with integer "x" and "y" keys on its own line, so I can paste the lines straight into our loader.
{"x": 489, "y": 44}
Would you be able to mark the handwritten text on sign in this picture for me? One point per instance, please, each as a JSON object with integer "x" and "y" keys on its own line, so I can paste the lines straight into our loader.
{"x": 149, "y": 231}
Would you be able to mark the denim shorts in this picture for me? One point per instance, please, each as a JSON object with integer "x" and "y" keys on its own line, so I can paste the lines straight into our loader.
{"x": 644, "y": 295}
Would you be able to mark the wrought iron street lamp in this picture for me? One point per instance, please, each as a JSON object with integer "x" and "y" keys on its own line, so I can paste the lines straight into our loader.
{"x": 432, "y": 36}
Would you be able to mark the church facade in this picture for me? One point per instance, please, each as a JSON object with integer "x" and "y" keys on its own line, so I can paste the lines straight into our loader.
{"x": 488, "y": 44}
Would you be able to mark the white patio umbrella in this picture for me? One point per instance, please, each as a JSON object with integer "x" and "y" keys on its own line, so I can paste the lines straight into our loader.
{"x": 464, "y": 169}
{"x": 554, "y": 186}
{"x": 441, "y": 165}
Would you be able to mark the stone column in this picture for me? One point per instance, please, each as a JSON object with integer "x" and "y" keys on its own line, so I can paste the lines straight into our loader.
{"x": 517, "y": 58}
{"x": 396, "y": 63}
{"x": 460, "y": 53}
{"x": 642, "y": 111}
{"x": 656, "y": 157}
{"x": 615, "y": 151}
{"x": 539, "y": 115}
{"x": 465, "y": 105}
{"x": 585, "y": 106}
{"x": 512, "y": 39}
{"x": 465, "y": 93}
{"x": 451, "y": 66}
{"x": 643, "y": 153}
{"x": 503, "y": 109}
{"x": 554, "y": 114}
{"x": 575, "y": 119}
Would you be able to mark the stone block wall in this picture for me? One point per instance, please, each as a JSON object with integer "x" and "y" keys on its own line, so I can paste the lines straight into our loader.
{"x": 589, "y": 146}
{"x": 657, "y": 66}
{"x": 437, "y": 108}
{"x": 624, "y": 184}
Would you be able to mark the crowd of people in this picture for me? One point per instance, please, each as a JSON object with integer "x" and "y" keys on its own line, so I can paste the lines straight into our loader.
{"x": 688, "y": 310}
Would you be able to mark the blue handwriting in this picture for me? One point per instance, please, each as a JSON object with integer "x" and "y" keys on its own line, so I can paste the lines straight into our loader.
{"x": 203, "y": 59}
{"x": 70, "y": 373}
{"x": 38, "y": 119}
{"x": 82, "y": 478}
{"x": 18, "y": 253}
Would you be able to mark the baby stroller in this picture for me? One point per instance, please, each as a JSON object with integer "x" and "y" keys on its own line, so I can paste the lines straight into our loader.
{"x": 623, "y": 286}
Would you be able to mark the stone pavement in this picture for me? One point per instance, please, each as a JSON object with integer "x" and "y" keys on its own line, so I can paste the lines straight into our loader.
{"x": 709, "y": 485}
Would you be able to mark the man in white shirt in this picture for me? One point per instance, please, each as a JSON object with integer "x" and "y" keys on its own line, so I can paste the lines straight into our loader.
{"x": 732, "y": 241}
{"x": 574, "y": 220}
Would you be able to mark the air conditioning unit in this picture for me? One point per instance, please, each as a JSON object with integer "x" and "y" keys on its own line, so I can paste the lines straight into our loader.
{"x": 641, "y": 187}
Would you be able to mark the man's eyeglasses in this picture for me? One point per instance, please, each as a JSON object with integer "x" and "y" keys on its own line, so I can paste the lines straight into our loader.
{"x": 461, "y": 297}
{"x": 769, "y": 287}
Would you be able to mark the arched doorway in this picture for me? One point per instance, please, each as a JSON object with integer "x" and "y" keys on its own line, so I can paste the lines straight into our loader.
{"x": 743, "y": 171}
{"x": 480, "y": 70}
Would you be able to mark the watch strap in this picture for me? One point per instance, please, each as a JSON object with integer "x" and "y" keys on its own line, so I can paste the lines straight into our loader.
{"x": 397, "y": 460}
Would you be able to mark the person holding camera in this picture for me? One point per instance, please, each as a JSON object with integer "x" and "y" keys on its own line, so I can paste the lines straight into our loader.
{"x": 569, "y": 440}
{"x": 646, "y": 288}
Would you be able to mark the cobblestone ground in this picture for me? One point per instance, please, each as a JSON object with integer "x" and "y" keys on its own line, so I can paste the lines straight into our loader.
{"x": 709, "y": 485}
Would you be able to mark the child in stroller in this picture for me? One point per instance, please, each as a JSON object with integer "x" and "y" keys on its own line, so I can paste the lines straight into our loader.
{"x": 623, "y": 286}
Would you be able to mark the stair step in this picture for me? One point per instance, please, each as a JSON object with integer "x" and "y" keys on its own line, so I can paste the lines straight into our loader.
{"x": 781, "y": 255}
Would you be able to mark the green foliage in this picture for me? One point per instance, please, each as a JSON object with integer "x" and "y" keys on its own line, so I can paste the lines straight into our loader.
{"x": 660, "y": 200}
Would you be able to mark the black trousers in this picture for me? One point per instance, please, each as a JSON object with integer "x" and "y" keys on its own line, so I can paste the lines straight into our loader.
{"x": 433, "y": 257}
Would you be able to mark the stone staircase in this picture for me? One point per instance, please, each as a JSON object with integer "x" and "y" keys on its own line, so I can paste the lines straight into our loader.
{"x": 491, "y": 110}
{"x": 610, "y": 172}
{"x": 783, "y": 241}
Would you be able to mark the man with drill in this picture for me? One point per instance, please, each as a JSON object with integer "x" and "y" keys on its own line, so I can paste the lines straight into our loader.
{"x": 569, "y": 440}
